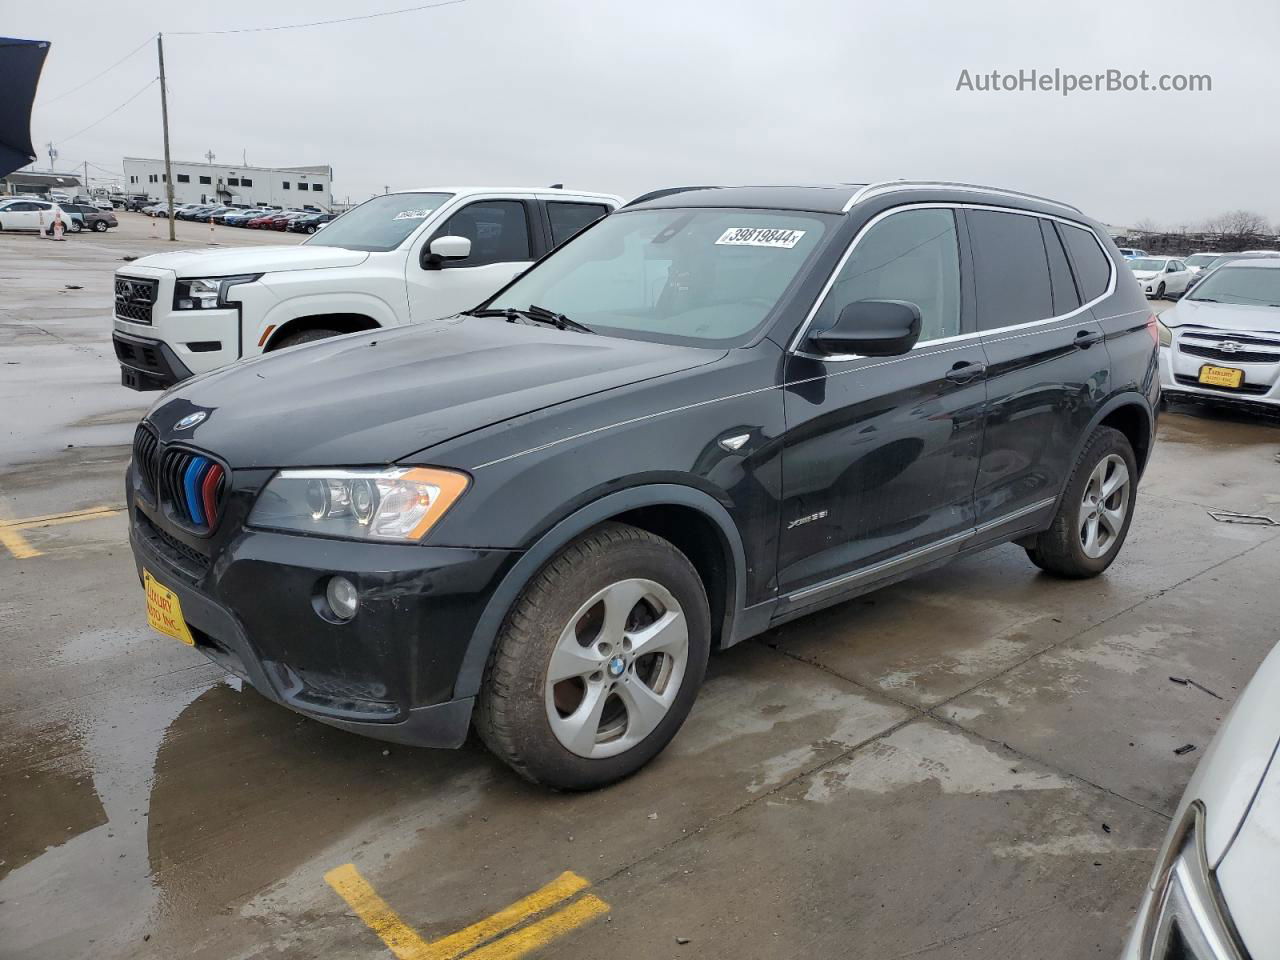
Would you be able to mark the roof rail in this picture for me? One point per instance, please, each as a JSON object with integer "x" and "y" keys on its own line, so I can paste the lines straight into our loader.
{"x": 891, "y": 186}
{"x": 666, "y": 192}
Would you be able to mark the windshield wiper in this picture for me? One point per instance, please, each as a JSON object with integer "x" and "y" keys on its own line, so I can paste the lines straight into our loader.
{"x": 556, "y": 319}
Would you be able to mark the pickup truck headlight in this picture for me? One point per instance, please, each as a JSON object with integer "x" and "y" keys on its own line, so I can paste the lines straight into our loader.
{"x": 1187, "y": 919}
{"x": 206, "y": 293}
{"x": 400, "y": 503}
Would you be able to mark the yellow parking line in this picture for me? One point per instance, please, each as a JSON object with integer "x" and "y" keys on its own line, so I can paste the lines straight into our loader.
{"x": 561, "y": 888}
{"x": 399, "y": 937}
{"x": 539, "y": 934}
{"x": 403, "y": 941}
{"x": 18, "y": 545}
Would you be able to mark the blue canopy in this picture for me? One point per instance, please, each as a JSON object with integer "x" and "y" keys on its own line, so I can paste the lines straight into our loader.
{"x": 20, "y": 64}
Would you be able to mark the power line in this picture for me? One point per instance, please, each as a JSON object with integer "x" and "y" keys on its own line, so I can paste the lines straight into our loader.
{"x": 113, "y": 112}
{"x": 316, "y": 23}
{"x": 45, "y": 103}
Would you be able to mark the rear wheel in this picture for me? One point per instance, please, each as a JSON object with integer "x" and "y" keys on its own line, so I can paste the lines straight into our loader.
{"x": 1095, "y": 510}
{"x": 100, "y": 226}
{"x": 305, "y": 336}
{"x": 599, "y": 661}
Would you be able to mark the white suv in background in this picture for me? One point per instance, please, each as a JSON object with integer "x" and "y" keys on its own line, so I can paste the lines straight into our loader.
{"x": 399, "y": 258}
{"x": 24, "y": 213}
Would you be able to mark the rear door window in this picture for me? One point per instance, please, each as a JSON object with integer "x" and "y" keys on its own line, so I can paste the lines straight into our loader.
{"x": 1065, "y": 297}
{"x": 1093, "y": 267}
{"x": 568, "y": 218}
{"x": 1010, "y": 268}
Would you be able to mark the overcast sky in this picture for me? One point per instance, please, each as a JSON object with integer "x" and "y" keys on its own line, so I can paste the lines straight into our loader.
{"x": 629, "y": 95}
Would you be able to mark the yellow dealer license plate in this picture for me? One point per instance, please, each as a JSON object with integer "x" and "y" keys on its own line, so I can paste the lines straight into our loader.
{"x": 164, "y": 612}
{"x": 1212, "y": 376}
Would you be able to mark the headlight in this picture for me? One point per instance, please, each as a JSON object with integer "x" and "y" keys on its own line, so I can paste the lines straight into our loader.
{"x": 206, "y": 293}
{"x": 1186, "y": 919}
{"x": 400, "y": 503}
{"x": 1166, "y": 335}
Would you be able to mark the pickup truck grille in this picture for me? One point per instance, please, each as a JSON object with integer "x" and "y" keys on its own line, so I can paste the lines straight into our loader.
{"x": 135, "y": 296}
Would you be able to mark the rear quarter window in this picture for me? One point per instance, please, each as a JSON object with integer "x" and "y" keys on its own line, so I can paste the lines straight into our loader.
{"x": 1093, "y": 266}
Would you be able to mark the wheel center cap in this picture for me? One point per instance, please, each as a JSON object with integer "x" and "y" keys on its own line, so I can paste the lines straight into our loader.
{"x": 617, "y": 666}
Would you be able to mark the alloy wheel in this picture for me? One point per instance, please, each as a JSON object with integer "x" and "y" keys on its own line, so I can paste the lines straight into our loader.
{"x": 1104, "y": 506}
{"x": 617, "y": 668}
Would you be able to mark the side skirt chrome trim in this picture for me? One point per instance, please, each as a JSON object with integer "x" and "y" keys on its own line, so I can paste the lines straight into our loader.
{"x": 919, "y": 554}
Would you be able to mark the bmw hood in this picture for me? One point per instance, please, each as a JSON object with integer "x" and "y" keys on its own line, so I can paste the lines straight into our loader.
{"x": 258, "y": 259}
{"x": 1223, "y": 316}
{"x": 377, "y": 397}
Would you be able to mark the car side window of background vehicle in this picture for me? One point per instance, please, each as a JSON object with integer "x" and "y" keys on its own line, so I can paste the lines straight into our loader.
{"x": 498, "y": 231}
{"x": 567, "y": 218}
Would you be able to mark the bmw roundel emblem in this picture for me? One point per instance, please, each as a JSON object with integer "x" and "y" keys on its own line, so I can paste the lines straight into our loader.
{"x": 190, "y": 420}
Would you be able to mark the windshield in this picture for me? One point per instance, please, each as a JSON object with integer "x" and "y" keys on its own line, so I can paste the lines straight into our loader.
{"x": 702, "y": 277}
{"x": 1146, "y": 264}
{"x": 381, "y": 223}
{"x": 1202, "y": 259}
{"x": 1247, "y": 286}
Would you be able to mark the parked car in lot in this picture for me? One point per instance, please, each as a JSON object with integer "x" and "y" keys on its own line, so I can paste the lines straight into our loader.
{"x": 1199, "y": 261}
{"x": 710, "y": 412}
{"x": 1224, "y": 259}
{"x": 309, "y": 223}
{"x": 238, "y": 218}
{"x": 1160, "y": 276}
{"x": 398, "y": 258}
{"x": 27, "y": 214}
{"x": 89, "y": 217}
{"x": 1130, "y": 253}
{"x": 102, "y": 203}
{"x": 1222, "y": 340}
{"x": 1212, "y": 894}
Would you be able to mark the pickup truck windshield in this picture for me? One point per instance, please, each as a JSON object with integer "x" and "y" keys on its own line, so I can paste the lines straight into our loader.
{"x": 381, "y": 223}
{"x": 706, "y": 277}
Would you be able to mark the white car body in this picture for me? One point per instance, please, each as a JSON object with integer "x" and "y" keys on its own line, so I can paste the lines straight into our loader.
{"x": 1201, "y": 260}
{"x": 319, "y": 285}
{"x": 1242, "y": 336}
{"x": 1215, "y": 881}
{"x": 38, "y": 215}
{"x": 1161, "y": 276}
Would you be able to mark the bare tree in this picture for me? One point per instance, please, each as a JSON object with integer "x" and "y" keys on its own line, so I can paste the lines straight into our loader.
{"x": 1147, "y": 225}
{"x": 1236, "y": 228}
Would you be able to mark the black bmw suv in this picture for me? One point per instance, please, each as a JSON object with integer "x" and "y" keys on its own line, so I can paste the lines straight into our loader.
{"x": 713, "y": 411}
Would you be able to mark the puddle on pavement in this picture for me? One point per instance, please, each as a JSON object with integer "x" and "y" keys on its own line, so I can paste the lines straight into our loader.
{"x": 1210, "y": 426}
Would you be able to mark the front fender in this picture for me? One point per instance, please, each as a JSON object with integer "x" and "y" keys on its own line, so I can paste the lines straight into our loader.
{"x": 292, "y": 307}
{"x": 550, "y": 543}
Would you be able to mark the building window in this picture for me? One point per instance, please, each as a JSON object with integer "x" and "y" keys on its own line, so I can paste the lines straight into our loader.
{"x": 206, "y": 180}
{"x": 284, "y": 185}
{"x": 133, "y": 179}
{"x": 246, "y": 182}
{"x": 317, "y": 186}
{"x": 184, "y": 178}
{"x": 232, "y": 182}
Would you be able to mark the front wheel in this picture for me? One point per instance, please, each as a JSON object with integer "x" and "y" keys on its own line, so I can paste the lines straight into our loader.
{"x": 599, "y": 661}
{"x": 1160, "y": 291}
{"x": 1095, "y": 510}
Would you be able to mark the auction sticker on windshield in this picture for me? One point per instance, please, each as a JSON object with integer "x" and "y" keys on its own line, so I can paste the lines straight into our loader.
{"x": 164, "y": 612}
{"x": 760, "y": 237}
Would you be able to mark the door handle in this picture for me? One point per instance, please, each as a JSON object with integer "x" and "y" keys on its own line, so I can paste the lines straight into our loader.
{"x": 964, "y": 371}
{"x": 1087, "y": 338}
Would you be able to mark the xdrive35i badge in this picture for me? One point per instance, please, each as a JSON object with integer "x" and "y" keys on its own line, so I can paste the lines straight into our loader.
{"x": 190, "y": 420}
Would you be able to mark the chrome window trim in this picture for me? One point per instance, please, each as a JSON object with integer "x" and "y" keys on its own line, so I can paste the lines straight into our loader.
{"x": 798, "y": 337}
{"x": 897, "y": 186}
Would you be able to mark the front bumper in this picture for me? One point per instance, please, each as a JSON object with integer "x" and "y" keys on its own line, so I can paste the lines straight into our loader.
{"x": 147, "y": 364}
{"x": 251, "y": 600}
{"x": 1180, "y": 373}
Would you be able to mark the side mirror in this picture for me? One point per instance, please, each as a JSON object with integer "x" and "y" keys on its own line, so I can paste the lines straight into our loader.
{"x": 871, "y": 328}
{"x": 445, "y": 248}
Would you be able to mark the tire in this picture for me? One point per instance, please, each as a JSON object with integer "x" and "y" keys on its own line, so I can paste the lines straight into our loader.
{"x": 100, "y": 226}
{"x": 304, "y": 336}
{"x": 311, "y": 229}
{"x": 1160, "y": 291}
{"x": 619, "y": 574}
{"x": 1066, "y": 549}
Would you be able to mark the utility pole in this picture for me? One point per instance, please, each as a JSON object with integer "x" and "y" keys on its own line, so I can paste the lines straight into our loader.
{"x": 86, "y": 179}
{"x": 164, "y": 116}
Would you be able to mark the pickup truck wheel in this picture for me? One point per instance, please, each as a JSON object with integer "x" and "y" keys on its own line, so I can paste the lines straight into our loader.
{"x": 1095, "y": 510}
{"x": 599, "y": 661}
{"x": 305, "y": 336}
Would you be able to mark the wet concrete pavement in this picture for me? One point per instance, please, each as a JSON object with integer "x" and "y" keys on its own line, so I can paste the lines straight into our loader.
{"x": 924, "y": 772}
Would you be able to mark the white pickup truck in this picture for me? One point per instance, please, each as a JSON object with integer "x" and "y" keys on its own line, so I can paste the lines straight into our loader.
{"x": 399, "y": 258}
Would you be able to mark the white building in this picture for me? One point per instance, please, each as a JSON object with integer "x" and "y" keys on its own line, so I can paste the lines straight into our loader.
{"x": 288, "y": 187}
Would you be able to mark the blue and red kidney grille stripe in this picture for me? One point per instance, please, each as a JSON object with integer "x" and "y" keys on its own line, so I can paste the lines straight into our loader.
{"x": 194, "y": 482}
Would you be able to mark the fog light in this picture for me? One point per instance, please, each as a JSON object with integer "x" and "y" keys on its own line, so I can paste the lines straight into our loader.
{"x": 342, "y": 597}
